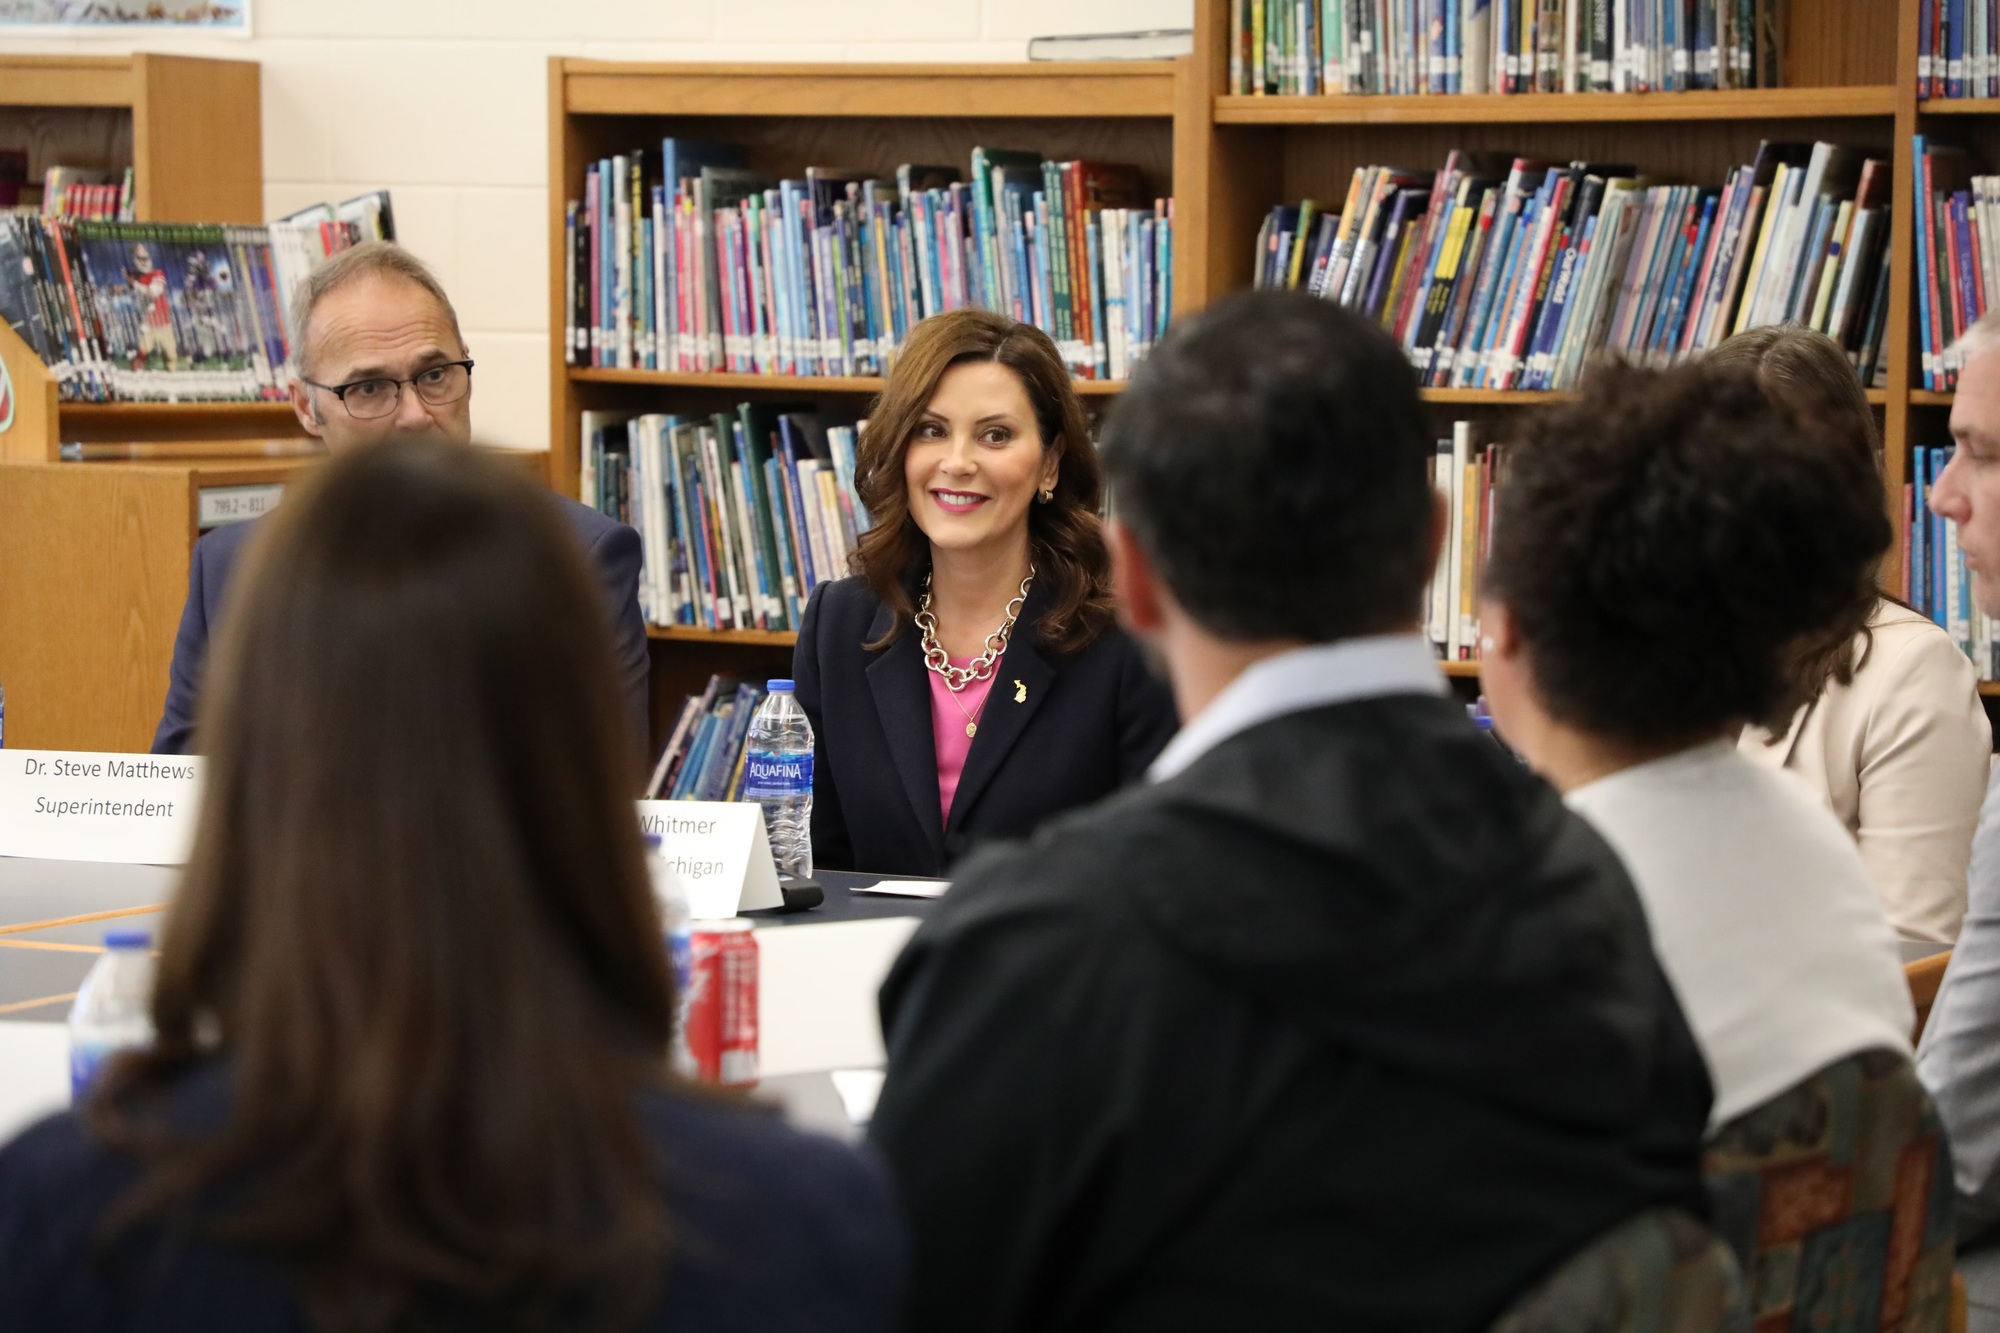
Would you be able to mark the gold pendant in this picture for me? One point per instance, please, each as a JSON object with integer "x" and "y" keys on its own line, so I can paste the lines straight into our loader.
{"x": 971, "y": 729}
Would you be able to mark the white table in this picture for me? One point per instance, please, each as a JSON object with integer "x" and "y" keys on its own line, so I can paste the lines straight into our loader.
{"x": 819, "y": 972}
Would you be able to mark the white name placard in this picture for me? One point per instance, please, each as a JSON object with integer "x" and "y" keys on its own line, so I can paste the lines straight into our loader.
{"x": 65, "y": 805}
{"x": 718, "y": 852}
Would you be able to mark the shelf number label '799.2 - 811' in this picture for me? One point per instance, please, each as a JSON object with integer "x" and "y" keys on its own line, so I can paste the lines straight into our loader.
{"x": 222, "y": 505}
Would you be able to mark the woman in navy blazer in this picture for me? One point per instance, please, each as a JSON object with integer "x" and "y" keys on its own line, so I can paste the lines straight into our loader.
{"x": 970, "y": 680}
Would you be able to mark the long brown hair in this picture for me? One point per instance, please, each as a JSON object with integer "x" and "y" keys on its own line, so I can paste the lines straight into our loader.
{"x": 1807, "y": 372}
{"x": 416, "y": 924}
{"x": 1072, "y": 562}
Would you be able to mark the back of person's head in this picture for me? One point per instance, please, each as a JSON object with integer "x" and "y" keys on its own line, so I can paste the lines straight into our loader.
{"x": 1665, "y": 543}
{"x": 416, "y": 924}
{"x": 1807, "y": 371}
{"x": 1272, "y": 458}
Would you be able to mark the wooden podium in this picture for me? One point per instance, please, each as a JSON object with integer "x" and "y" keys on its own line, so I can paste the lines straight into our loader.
{"x": 94, "y": 556}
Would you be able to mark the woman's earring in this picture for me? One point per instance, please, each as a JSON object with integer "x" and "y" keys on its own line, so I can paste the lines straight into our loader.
{"x": 1046, "y": 494}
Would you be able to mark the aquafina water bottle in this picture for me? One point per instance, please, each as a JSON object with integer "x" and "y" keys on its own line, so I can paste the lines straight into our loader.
{"x": 778, "y": 775}
{"x": 113, "y": 1010}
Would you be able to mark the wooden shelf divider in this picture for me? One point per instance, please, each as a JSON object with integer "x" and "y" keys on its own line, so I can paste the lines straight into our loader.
{"x": 1959, "y": 106}
{"x": 757, "y": 638}
{"x": 1758, "y": 104}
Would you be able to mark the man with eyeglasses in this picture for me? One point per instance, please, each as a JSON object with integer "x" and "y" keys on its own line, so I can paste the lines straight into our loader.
{"x": 377, "y": 353}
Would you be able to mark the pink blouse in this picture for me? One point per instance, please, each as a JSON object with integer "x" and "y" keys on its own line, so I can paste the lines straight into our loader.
{"x": 949, "y": 715}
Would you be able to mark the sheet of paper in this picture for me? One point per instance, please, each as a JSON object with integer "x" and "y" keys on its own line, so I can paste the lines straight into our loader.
{"x": 906, "y": 888}
{"x": 858, "y": 1089}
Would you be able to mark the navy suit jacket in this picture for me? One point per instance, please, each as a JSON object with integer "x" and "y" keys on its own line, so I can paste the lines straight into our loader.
{"x": 612, "y": 548}
{"x": 1058, "y": 731}
{"x": 774, "y": 1230}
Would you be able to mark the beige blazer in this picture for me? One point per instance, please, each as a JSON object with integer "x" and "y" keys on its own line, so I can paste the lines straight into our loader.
{"x": 1901, "y": 755}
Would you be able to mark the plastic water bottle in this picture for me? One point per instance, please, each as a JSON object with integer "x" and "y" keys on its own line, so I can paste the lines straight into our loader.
{"x": 778, "y": 775}
{"x": 679, "y": 924}
{"x": 114, "y": 1008}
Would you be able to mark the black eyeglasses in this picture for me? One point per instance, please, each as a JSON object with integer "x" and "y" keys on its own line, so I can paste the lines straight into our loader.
{"x": 372, "y": 398}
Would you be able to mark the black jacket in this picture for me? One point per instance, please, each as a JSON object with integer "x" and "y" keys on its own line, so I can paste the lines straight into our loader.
{"x": 1351, "y": 1025}
{"x": 611, "y": 546}
{"x": 773, "y": 1231}
{"x": 1059, "y": 731}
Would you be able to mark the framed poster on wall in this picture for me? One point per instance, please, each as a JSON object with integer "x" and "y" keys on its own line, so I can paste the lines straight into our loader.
{"x": 122, "y": 18}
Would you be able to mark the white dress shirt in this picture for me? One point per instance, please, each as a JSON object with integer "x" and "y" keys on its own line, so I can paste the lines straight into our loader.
{"x": 1291, "y": 682}
{"x": 1960, "y": 1058}
{"x": 1763, "y": 917}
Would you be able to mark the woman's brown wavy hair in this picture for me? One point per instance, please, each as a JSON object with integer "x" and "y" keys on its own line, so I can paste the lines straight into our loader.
{"x": 1065, "y": 538}
{"x": 1807, "y": 372}
{"x": 416, "y": 925}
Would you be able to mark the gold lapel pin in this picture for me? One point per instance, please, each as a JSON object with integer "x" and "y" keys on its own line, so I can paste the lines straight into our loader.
{"x": 1020, "y": 691}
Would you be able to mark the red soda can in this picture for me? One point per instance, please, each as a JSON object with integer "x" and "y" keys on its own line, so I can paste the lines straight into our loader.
{"x": 719, "y": 1017}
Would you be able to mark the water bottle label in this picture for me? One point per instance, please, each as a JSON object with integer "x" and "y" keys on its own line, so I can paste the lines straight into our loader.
{"x": 770, "y": 775}
{"x": 86, "y": 1061}
{"x": 680, "y": 949}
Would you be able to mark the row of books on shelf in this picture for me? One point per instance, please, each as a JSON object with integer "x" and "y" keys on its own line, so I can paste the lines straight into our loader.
{"x": 1510, "y": 275}
{"x": 1935, "y": 579}
{"x": 77, "y": 192}
{"x": 168, "y": 312}
{"x": 1958, "y": 48}
{"x": 703, "y": 756}
{"x": 740, "y": 514}
{"x": 683, "y": 259}
{"x": 1957, "y": 255}
{"x": 1307, "y": 47}
{"x": 1467, "y": 470}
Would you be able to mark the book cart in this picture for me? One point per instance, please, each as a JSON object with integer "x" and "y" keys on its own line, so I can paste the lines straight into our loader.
{"x": 94, "y": 556}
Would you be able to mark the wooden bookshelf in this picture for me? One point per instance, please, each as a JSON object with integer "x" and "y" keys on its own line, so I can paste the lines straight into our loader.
{"x": 788, "y": 117}
{"x": 94, "y": 556}
{"x": 191, "y": 130}
{"x": 1848, "y": 75}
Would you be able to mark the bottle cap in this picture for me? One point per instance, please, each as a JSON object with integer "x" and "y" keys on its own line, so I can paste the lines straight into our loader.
{"x": 128, "y": 939}
{"x": 778, "y": 686}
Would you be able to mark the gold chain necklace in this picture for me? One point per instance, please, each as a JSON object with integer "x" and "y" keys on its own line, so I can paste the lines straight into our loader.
{"x": 981, "y": 667}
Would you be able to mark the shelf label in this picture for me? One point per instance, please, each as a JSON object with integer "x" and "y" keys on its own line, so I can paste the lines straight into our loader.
{"x": 72, "y": 805}
{"x": 218, "y": 506}
{"x": 717, "y": 851}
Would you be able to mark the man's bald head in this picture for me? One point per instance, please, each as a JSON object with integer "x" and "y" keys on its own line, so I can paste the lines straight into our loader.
{"x": 370, "y": 258}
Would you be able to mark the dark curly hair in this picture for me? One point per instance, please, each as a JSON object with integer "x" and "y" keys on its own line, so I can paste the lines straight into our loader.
{"x": 1072, "y": 561}
{"x": 1666, "y": 543}
{"x": 1274, "y": 460}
